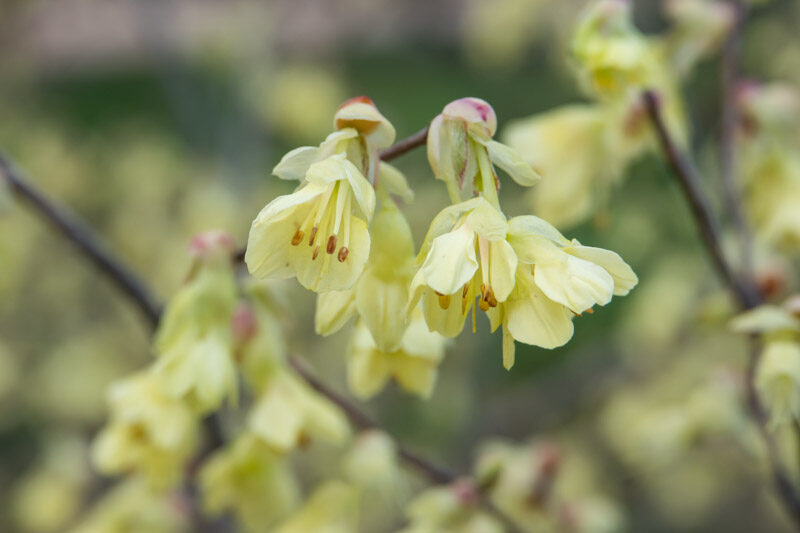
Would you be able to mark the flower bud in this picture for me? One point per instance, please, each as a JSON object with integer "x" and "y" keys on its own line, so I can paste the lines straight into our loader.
{"x": 361, "y": 114}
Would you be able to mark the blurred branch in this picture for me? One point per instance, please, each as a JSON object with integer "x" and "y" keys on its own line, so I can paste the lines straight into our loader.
{"x": 742, "y": 289}
{"x": 731, "y": 53}
{"x": 85, "y": 240}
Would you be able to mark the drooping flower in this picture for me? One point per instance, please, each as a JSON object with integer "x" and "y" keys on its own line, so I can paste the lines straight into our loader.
{"x": 453, "y": 508}
{"x": 288, "y": 412}
{"x": 380, "y": 296}
{"x": 463, "y": 239}
{"x": 413, "y": 364}
{"x": 148, "y": 432}
{"x": 319, "y": 232}
{"x": 251, "y": 480}
{"x": 461, "y": 150}
{"x": 194, "y": 342}
{"x": 332, "y": 508}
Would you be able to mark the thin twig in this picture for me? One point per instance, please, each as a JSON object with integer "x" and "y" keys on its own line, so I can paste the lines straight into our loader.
{"x": 742, "y": 289}
{"x": 405, "y": 145}
{"x": 731, "y": 52}
{"x": 85, "y": 240}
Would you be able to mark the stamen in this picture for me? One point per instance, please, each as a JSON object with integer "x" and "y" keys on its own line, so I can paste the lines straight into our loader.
{"x": 297, "y": 237}
{"x": 483, "y": 248}
{"x": 313, "y": 235}
{"x": 343, "y": 251}
{"x": 315, "y": 254}
{"x": 483, "y": 304}
{"x": 331, "y": 244}
{"x": 464, "y": 290}
{"x": 444, "y": 300}
{"x": 590, "y": 311}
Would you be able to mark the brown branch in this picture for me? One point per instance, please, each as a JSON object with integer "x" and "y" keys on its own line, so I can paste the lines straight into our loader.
{"x": 405, "y": 145}
{"x": 742, "y": 289}
{"x": 731, "y": 52}
{"x": 85, "y": 240}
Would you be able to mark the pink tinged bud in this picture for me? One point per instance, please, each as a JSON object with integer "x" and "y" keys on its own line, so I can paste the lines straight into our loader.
{"x": 212, "y": 243}
{"x": 466, "y": 492}
{"x": 243, "y": 323}
{"x": 474, "y": 111}
{"x": 361, "y": 114}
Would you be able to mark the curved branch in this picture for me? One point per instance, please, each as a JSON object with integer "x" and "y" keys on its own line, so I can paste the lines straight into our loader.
{"x": 405, "y": 145}
{"x": 742, "y": 289}
{"x": 85, "y": 240}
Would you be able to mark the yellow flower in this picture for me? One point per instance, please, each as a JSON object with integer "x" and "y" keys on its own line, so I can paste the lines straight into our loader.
{"x": 332, "y": 508}
{"x": 463, "y": 239}
{"x": 148, "y": 432}
{"x": 451, "y": 509}
{"x": 381, "y": 295}
{"x": 287, "y": 412}
{"x": 318, "y": 233}
{"x": 556, "y": 279}
{"x": 132, "y": 506}
{"x": 413, "y": 364}
{"x": 263, "y": 340}
{"x": 461, "y": 150}
{"x": 251, "y": 480}
{"x": 194, "y": 341}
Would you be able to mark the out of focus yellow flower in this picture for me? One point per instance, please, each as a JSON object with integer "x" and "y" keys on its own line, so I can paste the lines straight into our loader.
{"x": 450, "y": 509}
{"x": 461, "y": 150}
{"x": 288, "y": 411}
{"x": 132, "y": 506}
{"x": 194, "y": 340}
{"x": 251, "y": 480}
{"x": 259, "y": 325}
{"x": 413, "y": 364}
{"x": 380, "y": 296}
{"x": 332, "y": 508}
{"x": 148, "y": 432}
{"x": 699, "y": 29}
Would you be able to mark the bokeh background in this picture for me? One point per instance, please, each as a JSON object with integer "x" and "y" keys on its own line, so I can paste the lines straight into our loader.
{"x": 156, "y": 120}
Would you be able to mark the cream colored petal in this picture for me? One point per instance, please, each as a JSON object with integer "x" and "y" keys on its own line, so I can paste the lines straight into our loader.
{"x": 533, "y": 318}
{"x": 415, "y": 375}
{"x": 487, "y": 221}
{"x": 448, "y": 321}
{"x": 367, "y": 368}
{"x": 276, "y": 419}
{"x": 269, "y": 242}
{"x": 382, "y": 306}
{"x": 508, "y": 349}
{"x": 326, "y": 272}
{"x": 421, "y": 342}
{"x": 765, "y": 319}
{"x": 448, "y": 150}
{"x": 574, "y": 282}
{"x": 366, "y": 118}
{"x": 502, "y": 269}
{"x": 624, "y": 277}
{"x": 333, "y": 143}
{"x": 533, "y": 225}
{"x": 323, "y": 419}
{"x": 444, "y": 221}
{"x": 336, "y": 168}
{"x": 334, "y": 309}
{"x": 294, "y": 165}
{"x": 395, "y": 182}
{"x": 451, "y": 262}
{"x": 512, "y": 163}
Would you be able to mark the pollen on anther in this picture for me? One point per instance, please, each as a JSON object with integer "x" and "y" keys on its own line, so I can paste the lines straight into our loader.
{"x": 444, "y": 300}
{"x": 343, "y": 251}
{"x": 315, "y": 254}
{"x": 312, "y": 236}
{"x": 331, "y": 247}
{"x": 464, "y": 290}
{"x": 297, "y": 238}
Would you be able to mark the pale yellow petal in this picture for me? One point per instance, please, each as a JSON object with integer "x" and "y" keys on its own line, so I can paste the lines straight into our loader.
{"x": 334, "y": 309}
{"x": 451, "y": 261}
{"x": 382, "y": 305}
{"x": 503, "y": 268}
{"x": 533, "y": 318}
{"x": 294, "y": 165}
{"x": 574, "y": 282}
{"x": 367, "y": 368}
{"x": 512, "y": 163}
{"x": 624, "y": 277}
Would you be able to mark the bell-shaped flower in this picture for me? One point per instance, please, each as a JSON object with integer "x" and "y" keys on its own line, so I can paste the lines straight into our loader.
{"x": 461, "y": 149}
{"x": 318, "y": 233}
{"x": 250, "y": 480}
{"x": 149, "y": 432}
{"x": 380, "y": 296}
{"x": 413, "y": 364}
{"x": 332, "y": 508}
{"x": 454, "y": 508}
{"x": 194, "y": 341}
{"x": 556, "y": 279}
{"x": 288, "y": 412}
{"x": 465, "y": 253}
{"x": 132, "y": 505}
